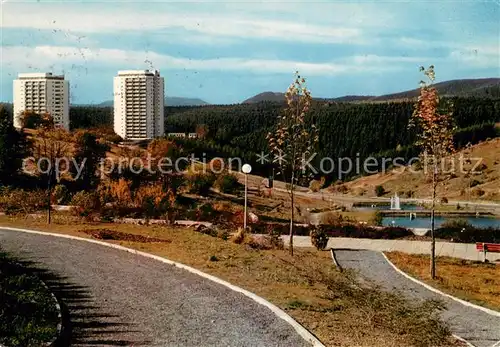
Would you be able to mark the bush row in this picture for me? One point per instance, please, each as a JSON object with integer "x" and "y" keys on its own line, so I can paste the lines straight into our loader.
{"x": 459, "y": 230}
{"x": 347, "y": 230}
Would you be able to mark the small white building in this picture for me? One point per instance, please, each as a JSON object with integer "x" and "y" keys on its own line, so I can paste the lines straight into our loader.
{"x": 179, "y": 135}
{"x": 139, "y": 104}
{"x": 42, "y": 93}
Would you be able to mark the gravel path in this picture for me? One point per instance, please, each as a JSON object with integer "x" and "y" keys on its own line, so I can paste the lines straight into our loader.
{"x": 475, "y": 326}
{"x": 114, "y": 298}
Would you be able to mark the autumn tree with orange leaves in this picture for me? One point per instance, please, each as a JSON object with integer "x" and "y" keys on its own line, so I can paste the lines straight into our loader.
{"x": 294, "y": 140}
{"x": 434, "y": 122}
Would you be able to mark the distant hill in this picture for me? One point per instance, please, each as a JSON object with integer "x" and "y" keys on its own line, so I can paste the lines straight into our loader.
{"x": 278, "y": 97}
{"x": 482, "y": 87}
{"x": 169, "y": 101}
{"x": 266, "y": 96}
{"x": 179, "y": 101}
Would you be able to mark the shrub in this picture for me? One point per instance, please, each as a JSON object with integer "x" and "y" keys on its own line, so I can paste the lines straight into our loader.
{"x": 33, "y": 120}
{"x": 377, "y": 218}
{"x": 85, "y": 203}
{"x": 199, "y": 182}
{"x": 114, "y": 138}
{"x": 274, "y": 236}
{"x": 221, "y": 206}
{"x": 217, "y": 164}
{"x": 60, "y": 194}
{"x": 205, "y": 212}
{"x": 444, "y": 200}
{"x": 456, "y": 224}
{"x": 207, "y": 231}
{"x": 417, "y": 166}
{"x": 342, "y": 189}
{"x": 261, "y": 242}
{"x": 379, "y": 190}
{"x": 459, "y": 230}
{"x": 360, "y": 192}
{"x": 118, "y": 192}
{"x": 319, "y": 238}
{"x": 477, "y": 192}
{"x": 315, "y": 185}
{"x": 475, "y": 183}
{"x": 153, "y": 200}
{"x": 481, "y": 167}
{"x": 239, "y": 236}
{"x": 21, "y": 201}
{"x": 227, "y": 183}
{"x": 269, "y": 237}
{"x": 363, "y": 231}
{"x": 331, "y": 218}
{"x": 223, "y": 234}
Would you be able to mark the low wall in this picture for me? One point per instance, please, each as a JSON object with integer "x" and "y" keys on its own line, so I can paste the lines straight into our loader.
{"x": 449, "y": 249}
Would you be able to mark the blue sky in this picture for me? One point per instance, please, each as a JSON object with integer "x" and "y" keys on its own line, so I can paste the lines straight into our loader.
{"x": 225, "y": 52}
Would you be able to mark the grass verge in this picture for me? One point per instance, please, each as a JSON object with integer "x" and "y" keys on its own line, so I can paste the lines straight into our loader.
{"x": 334, "y": 306}
{"x": 473, "y": 281}
{"x": 28, "y": 316}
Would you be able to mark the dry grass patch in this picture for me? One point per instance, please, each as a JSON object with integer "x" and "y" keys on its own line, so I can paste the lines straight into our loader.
{"x": 456, "y": 187}
{"x": 332, "y": 305}
{"x": 469, "y": 280}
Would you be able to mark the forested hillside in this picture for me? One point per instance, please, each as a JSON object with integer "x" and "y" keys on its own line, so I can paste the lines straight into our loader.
{"x": 480, "y": 87}
{"x": 346, "y": 129}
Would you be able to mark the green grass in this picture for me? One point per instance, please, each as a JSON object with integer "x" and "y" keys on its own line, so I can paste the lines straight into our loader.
{"x": 28, "y": 316}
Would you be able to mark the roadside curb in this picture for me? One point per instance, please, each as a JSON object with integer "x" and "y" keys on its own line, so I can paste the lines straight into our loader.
{"x": 59, "y": 328}
{"x": 463, "y": 302}
{"x": 334, "y": 258}
{"x": 437, "y": 291}
{"x": 461, "y": 339}
{"x": 303, "y": 332}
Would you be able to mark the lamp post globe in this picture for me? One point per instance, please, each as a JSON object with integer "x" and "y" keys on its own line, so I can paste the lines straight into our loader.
{"x": 246, "y": 168}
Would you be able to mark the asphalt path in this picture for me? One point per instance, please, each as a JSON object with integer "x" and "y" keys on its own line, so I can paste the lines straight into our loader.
{"x": 115, "y": 298}
{"x": 476, "y": 326}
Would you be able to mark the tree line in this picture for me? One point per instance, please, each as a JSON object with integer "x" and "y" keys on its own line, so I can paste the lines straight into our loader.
{"x": 345, "y": 129}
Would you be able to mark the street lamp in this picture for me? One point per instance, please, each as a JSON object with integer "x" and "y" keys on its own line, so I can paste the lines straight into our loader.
{"x": 246, "y": 169}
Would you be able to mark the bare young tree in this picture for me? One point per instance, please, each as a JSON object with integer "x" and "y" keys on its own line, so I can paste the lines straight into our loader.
{"x": 50, "y": 147}
{"x": 294, "y": 140}
{"x": 435, "y": 138}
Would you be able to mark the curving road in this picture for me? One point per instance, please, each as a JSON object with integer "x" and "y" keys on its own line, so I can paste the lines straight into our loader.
{"x": 477, "y": 327}
{"x": 114, "y": 298}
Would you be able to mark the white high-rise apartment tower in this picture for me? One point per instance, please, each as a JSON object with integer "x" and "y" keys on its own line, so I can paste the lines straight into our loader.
{"x": 138, "y": 104}
{"x": 42, "y": 93}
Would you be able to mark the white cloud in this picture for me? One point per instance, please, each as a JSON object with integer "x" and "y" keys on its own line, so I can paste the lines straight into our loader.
{"x": 100, "y": 19}
{"x": 67, "y": 58}
{"x": 377, "y": 59}
{"x": 479, "y": 56}
{"x": 74, "y": 60}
